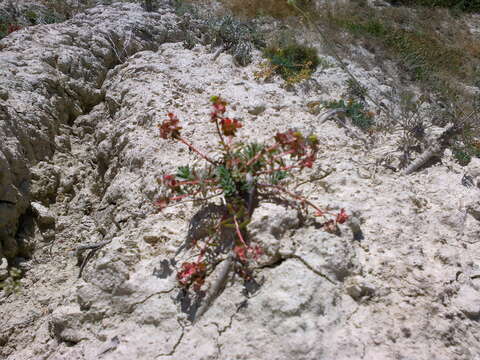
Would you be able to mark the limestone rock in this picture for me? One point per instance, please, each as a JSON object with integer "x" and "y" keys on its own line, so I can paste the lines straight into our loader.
{"x": 66, "y": 325}
{"x": 256, "y": 108}
{"x": 80, "y": 138}
{"x": 473, "y": 169}
{"x": 468, "y": 301}
{"x": 3, "y": 269}
{"x": 53, "y": 74}
{"x": 44, "y": 216}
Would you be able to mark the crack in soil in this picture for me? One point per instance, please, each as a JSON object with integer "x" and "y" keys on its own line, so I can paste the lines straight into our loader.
{"x": 135, "y": 304}
{"x": 221, "y": 331}
{"x": 175, "y": 346}
{"x": 303, "y": 261}
{"x": 229, "y": 325}
{"x": 311, "y": 268}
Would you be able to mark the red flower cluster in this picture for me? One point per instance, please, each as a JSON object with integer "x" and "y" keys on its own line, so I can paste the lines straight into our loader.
{"x": 241, "y": 251}
{"x": 13, "y": 27}
{"x": 192, "y": 273}
{"x": 169, "y": 180}
{"x": 219, "y": 108}
{"x": 170, "y": 127}
{"x": 308, "y": 161}
{"x": 292, "y": 141}
{"x": 341, "y": 217}
{"x": 230, "y": 126}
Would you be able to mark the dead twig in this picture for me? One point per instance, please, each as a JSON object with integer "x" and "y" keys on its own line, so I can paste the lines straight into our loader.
{"x": 343, "y": 123}
{"x": 216, "y": 287}
{"x": 93, "y": 249}
{"x": 123, "y": 54}
{"x": 439, "y": 146}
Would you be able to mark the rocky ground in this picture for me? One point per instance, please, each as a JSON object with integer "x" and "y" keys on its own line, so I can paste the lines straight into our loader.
{"x": 80, "y": 157}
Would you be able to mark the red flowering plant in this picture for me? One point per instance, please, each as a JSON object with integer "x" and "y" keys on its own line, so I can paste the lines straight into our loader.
{"x": 243, "y": 174}
{"x": 12, "y": 28}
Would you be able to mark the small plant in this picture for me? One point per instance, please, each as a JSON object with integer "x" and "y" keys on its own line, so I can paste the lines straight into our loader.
{"x": 12, "y": 284}
{"x": 243, "y": 174}
{"x": 355, "y": 90}
{"x": 236, "y": 37}
{"x": 293, "y": 62}
{"x": 355, "y": 110}
{"x": 7, "y": 28}
{"x": 32, "y": 17}
{"x": 466, "y": 146}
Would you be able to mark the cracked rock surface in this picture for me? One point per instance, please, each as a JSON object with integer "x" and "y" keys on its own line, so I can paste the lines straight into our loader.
{"x": 80, "y": 159}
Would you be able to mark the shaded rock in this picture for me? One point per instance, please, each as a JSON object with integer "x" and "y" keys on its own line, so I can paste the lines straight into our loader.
{"x": 9, "y": 246}
{"x": 268, "y": 226}
{"x": 328, "y": 253}
{"x": 66, "y": 325}
{"x": 357, "y": 287}
{"x": 44, "y": 183}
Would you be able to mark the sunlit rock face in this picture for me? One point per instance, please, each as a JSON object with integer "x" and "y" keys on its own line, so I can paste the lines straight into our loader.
{"x": 80, "y": 156}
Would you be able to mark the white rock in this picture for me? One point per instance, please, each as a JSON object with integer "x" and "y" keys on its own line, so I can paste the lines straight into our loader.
{"x": 44, "y": 215}
{"x": 468, "y": 301}
{"x": 3, "y": 269}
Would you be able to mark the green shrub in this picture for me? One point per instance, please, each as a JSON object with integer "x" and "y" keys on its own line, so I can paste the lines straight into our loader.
{"x": 31, "y": 16}
{"x": 234, "y": 36}
{"x": 355, "y": 110}
{"x": 467, "y": 145}
{"x": 292, "y": 60}
{"x": 222, "y": 33}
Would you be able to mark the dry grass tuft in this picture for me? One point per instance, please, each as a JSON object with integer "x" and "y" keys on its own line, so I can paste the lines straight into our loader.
{"x": 431, "y": 46}
{"x": 254, "y": 8}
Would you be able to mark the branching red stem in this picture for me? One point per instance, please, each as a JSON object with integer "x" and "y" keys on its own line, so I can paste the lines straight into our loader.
{"x": 193, "y": 148}
{"x": 295, "y": 196}
{"x": 239, "y": 233}
{"x": 256, "y": 157}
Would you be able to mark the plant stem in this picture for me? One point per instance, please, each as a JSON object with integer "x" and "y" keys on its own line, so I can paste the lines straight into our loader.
{"x": 193, "y": 148}
{"x": 256, "y": 157}
{"x": 239, "y": 233}
{"x": 295, "y": 196}
{"x": 283, "y": 168}
{"x": 222, "y": 140}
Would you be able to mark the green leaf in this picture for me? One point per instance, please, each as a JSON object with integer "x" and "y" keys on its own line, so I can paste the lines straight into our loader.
{"x": 278, "y": 176}
{"x": 185, "y": 173}
{"x": 226, "y": 181}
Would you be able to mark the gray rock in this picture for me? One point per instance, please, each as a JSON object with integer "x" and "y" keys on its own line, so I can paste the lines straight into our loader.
{"x": 357, "y": 287}
{"x": 473, "y": 169}
{"x": 75, "y": 122}
{"x": 44, "y": 216}
{"x": 52, "y": 74}
{"x": 256, "y": 109}
{"x": 468, "y": 302}
{"x": 66, "y": 325}
{"x": 3, "y": 269}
